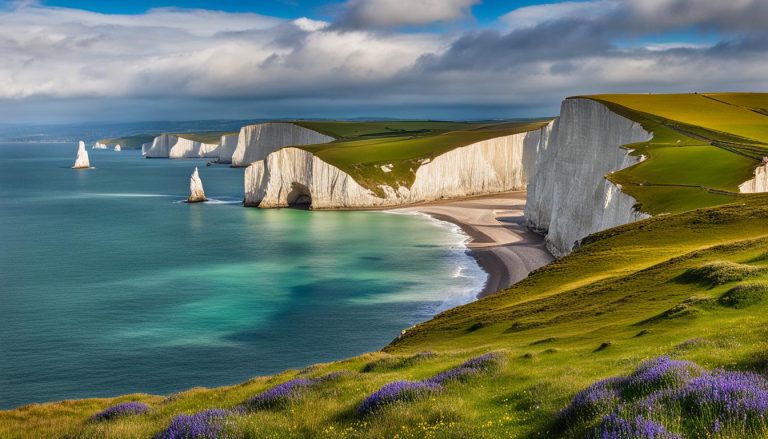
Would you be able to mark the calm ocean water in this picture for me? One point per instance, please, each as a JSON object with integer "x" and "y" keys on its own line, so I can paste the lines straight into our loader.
{"x": 109, "y": 284}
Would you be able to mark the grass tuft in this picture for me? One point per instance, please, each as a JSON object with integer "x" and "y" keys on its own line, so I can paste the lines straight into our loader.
{"x": 744, "y": 295}
{"x": 720, "y": 273}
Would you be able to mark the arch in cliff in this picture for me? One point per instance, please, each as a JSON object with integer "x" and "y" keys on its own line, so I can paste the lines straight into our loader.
{"x": 299, "y": 196}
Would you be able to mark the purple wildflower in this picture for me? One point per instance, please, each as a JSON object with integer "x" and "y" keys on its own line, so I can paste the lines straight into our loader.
{"x": 124, "y": 409}
{"x": 730, "y": 396}
{"x": 483, "y": 362}
{"x": 394, "y": 392}
{"x": 615, "y": 427}
{"x": 455, "y": 374}
{"x": 660, "y": 373}
{"x": 280, "y": 394}
{"x": 208, "y": 424}
{"x": 596, "y": 400}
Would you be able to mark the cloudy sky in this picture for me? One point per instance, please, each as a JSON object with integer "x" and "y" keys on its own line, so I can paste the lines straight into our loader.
{"x": 79, "y": 61}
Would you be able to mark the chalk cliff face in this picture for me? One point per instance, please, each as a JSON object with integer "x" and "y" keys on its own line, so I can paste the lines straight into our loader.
{"x": 294, "y": 176}
{"x": 227, "y": 147}
{"x": 760, "y": 181}
{"x": 81, "y": 161}
{"x": 189, "y": 149}
{"x": 98, "y": 145}
{"x": 255, "y": 142}
{"x": 175, "y": 147}
{"x": 118, "y": 148}
{"x": 568, "y": 195}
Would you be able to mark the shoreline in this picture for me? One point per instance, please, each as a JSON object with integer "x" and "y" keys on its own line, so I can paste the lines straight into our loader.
{"x": 499, "y": 240}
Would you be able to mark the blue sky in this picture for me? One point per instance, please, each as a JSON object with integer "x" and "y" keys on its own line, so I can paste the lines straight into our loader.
{"x": 80, "y": 60}
{"x": 485, "y": 12}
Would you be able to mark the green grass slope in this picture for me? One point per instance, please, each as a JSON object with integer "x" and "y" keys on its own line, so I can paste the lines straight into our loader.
{"x": 403, "y": 147}
{"x": 681, "y": 285}
{"x": 703, "y": 146}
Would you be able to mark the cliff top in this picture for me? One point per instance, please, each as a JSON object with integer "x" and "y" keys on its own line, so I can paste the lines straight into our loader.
{"x": 402, "y": 152}
{"x": 703, "y": 147}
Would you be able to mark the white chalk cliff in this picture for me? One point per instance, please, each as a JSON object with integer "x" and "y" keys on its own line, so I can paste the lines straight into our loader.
{"x": 98, "y": 145}
{"x": 227, "y": 147}
{"x": 176, "y": 147}
{"x": 255, "y": 142}
{"x": 118, "y": 148}
{"x": 568, "y": 195}
{"x": 292, "y": 176}
{"x": 196, "y": 192}
{"x": 81, "y": 161}
{"x": 759, "y": 183}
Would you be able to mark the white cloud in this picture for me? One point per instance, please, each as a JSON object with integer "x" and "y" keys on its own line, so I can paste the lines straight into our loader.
{"x": 394, "y": 13}
{"x": 532, "y": 16}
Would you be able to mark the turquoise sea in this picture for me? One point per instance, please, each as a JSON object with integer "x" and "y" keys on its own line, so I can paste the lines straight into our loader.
{"x": 110, "y": 284}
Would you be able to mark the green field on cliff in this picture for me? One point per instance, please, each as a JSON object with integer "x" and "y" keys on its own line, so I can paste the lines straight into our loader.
{"x": 391, "y": 153}
{"x": 703, "y": 145}
{"x": 691, "y": 284}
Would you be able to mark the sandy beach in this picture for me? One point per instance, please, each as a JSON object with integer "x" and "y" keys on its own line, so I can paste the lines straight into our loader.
{"x": 500, "y": 242}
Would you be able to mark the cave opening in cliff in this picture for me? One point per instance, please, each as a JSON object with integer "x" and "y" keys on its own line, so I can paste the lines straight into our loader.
{"x": 299, "y": 196}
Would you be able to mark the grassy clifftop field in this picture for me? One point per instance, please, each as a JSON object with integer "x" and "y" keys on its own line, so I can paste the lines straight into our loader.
{"x": 653, "y": 329}
{"x": 703, "y": 147}
{"x": 400, "y": 147}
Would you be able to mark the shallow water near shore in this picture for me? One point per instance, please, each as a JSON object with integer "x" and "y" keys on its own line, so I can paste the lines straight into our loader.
{"x": 109, "y": 284}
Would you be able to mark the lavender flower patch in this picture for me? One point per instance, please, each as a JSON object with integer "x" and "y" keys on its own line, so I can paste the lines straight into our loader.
{"x": 658, "y": 374}
{"x": 119, "y": 410}
{"x": 483, "y": 362}
{"x": 663, "y": 397}
{"x": 728, "y": 397}
{"x": 395, "y": 392}
{"x": 599, "y": 399}
{"x": 457, "y": 374}
{"x": 468, "y": 369}
{"x": 208, "y": 424}
{"x": 615, "y": 427}
{"x": 279, "y": 395}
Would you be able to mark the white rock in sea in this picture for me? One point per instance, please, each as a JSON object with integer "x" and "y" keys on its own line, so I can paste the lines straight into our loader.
{"x": 196, "y": 192}
{"x": 144, "y": 148}
{"x": 81, "y": 162}
{"x": 118, "y": 148}
{"x": 98, "y": 145}
{"x": 255, "y": 142}
{"x": 292, "y": 176}
{"x": 759, "y": 183}
{"x": 569, "y": 197}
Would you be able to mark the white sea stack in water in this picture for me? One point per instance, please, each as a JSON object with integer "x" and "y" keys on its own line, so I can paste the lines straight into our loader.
{"x": 196, "y": 192}
{"x": 81, "y": 162}
{"x": 118, "y": 148}
{"x": 99, "y": 145}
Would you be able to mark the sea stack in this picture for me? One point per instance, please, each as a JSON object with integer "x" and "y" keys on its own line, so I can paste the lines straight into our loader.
{"x": 81, "y": 162}
{"x": 118, "y": 148}
{"x": 196, "y": 192}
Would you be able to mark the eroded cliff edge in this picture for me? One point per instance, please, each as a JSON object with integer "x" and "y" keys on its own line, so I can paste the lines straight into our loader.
{"x": 294, "y": 176}
{"x": 569, "y": 197}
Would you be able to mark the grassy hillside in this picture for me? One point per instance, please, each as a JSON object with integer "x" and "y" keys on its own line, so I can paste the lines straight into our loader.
{"x": 704, "y": 146}
{"x": 401, "y": 152}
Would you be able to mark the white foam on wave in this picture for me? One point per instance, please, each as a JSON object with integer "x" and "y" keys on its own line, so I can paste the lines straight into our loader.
{"x": 469, "y": 277}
